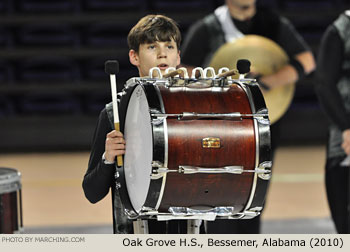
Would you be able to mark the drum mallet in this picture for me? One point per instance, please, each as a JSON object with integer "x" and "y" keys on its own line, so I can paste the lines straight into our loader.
{"x": 112, "y": 68}
{"x": 243, "y": 67}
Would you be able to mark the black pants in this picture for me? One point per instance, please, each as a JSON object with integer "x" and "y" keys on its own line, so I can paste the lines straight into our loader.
{"x": 167, "y": 227}
{"x": 251, "y": 226}
{"x": 337, "y": 187}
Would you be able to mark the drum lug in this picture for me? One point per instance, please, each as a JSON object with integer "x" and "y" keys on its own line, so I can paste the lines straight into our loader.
{"x": 131, "y": 214}
{"x": 264, "y": 170}
{"x": 148, "y": 211}
{"x": 117, "y": 185}
{"x": 256, "y": 209}
{"x": 262, "y": 116}
{"x": 157, "y": 164}
{"x": 158, "y": 170}
{"x": 250, "y": 214}
{"x": 156, "y": 120}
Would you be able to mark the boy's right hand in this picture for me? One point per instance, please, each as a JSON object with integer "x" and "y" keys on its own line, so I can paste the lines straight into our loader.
{"x": 114, "y": 146}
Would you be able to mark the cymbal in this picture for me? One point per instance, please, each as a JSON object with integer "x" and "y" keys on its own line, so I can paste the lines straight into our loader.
{"x": 266, "y": 57}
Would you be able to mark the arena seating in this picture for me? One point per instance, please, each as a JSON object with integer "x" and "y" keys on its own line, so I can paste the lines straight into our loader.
{"x": 53, "y": 52}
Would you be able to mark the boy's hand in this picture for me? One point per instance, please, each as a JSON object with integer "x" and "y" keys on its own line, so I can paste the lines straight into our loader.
{"x": 115, "y": 145}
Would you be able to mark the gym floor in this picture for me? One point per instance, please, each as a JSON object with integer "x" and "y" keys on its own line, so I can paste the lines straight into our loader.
{"x": 54, "y": 202}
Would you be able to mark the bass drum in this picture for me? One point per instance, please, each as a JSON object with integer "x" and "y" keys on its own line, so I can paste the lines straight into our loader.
{"x": 10, "y": 201}
{"x": 188, "y": 152}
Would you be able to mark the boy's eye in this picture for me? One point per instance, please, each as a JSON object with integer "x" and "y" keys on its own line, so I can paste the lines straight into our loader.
{"x": 170, "y": 46}
{"x": 151, "y": 47}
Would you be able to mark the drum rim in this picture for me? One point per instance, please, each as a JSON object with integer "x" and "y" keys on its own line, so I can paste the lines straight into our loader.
{"x": 155, "y": 101}
{"x": 129, "y": 190}
{"x": 12, "y": 176}
{"x": 120, "y": 179}
{"x": 262, "y": 155}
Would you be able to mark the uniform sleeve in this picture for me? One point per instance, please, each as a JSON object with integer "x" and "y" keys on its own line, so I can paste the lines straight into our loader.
{"x": 289, "y": 39}
{"x": 328, "y": 73}
{"x": 99, "y": 176}
{"x": 195, "y": 46}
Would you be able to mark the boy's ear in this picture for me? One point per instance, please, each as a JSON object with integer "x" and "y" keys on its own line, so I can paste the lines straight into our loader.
{"x": 133, "y": 57}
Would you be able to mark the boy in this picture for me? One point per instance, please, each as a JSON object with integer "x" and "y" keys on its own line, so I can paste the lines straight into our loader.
{"x": 153, "y": 42}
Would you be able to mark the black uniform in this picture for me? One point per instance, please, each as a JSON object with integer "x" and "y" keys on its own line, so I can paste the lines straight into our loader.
{"x": 99, "y": 179}
{"x": 333, "y": 89}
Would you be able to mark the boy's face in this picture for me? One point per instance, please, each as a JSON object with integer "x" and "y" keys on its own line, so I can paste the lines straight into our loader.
{"x": 156, "y": 54}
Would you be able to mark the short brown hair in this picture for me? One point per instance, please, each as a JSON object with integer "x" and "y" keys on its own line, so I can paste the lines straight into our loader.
{"x": 153, "y": 28}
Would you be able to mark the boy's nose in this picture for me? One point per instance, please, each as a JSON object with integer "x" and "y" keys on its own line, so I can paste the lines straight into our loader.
{"x": 161, "y": 52}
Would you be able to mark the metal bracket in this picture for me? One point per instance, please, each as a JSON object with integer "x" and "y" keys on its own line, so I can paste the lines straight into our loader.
{"x": 264, "y": 170}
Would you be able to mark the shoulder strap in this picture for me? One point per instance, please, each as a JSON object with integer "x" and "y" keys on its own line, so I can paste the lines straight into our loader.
{"x": 122, "y": 225}
{"x": 216, "y": 37}
{"x": 231, "y": 32}
{"x": 109, "y": 110}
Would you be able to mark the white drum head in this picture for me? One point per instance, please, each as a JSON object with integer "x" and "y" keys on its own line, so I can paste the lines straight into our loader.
{"x": 138, "y": 153}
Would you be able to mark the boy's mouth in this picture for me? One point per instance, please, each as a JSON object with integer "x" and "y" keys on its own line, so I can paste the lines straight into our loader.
{"x": 163, "y": 66}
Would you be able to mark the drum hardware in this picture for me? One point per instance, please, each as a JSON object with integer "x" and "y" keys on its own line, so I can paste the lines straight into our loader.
{"x": 10, "y": 201}
{"x": 211, "y": 142}
{"x": 211, "y": 70}
{"x": 265, "y": 170}
{"x": 175, "y": 72}
{"x": 206, "y": 217}
{"x": 200, "y": 83}
{"x": 158, "y": 170}
{"x": 257, "y": 153}
{"x": 234, "y": 169}
{"x": 209, "y": 216}
{"x": 187, "y": 213}
{"x": 264, "y": 118}
{"x": 157, "y": 121}
{"x": 250, "y": 214}
{"x": 157, "y": 70}
{"x": 157, "y": 164}
{"x": 221, "y": 211}
{"x": 203, "y": 82}
{"x": 140, "y": 226}
{"x": 193, "y": 226}
{"x": 196, "y": 116}
{"x": 225, "y": 72}
{"x": 148, "y": 212}
{"x": 195, "y": 70}
{"x": 171, "y": 72}
{"x": 255, "y": 209}
{"x": 131, "y": 214}
{"x": 186, "y": 169}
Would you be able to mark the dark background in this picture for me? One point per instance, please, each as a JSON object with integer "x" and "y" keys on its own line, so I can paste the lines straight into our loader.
{"x": 52, "y": 54}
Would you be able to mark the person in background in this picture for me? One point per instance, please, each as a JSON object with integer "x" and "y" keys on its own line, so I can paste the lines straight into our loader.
{"x": 333, "y": 89}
